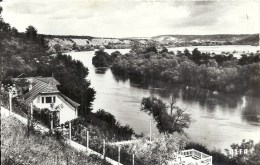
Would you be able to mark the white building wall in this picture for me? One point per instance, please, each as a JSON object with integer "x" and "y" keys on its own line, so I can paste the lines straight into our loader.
{"x": 67, "y": 112}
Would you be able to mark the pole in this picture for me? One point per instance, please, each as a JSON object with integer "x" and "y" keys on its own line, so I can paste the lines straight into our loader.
{"x": 150, "y": 131}
{"x": 118, "y": 155}
{"x": 51, "y": 122}
{"x": 57, "y": 159}
{"x": 87, "y": 140}
{"x": 70, "y": 131}
{"x": 28, "y": 125}
{"x": 10, "y": 101}
{"x": 31, "y": 111}
{"x": 133, "y": 159}
{"x": 68, "y": 161}
{"x": 104, "y": 148}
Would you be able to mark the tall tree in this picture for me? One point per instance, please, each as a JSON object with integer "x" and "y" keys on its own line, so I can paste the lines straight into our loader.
{"x": 31, "y": 32}
{"x": 169, "y": 119}
{"x": 14, "y": 31}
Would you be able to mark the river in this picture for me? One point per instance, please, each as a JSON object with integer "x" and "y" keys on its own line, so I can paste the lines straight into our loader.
{"x": 217, "y": 120}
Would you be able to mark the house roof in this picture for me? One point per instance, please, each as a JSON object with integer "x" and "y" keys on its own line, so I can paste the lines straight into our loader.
{"x": 46, "y": 85}
{"x": 49, "y": 80}
{"x": 40, "y": 86}
{"x": 73, "y": 103}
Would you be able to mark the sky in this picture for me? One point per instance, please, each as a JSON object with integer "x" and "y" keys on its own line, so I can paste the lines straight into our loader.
{"x": 133, "y": 18}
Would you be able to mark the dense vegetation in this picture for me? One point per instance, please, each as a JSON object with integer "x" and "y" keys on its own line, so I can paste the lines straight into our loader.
{"x": 101, "y": 59}
{"x": 215, "y": 72}
{"x": 111, "y": 129}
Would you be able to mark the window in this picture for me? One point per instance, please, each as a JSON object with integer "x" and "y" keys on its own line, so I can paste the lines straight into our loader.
{"x": 54, "y": 99}
{"x": 42, "y": 99}
{"x": 48, "y": 99}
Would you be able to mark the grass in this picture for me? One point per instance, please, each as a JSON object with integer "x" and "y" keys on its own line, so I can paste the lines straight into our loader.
{"x": 17, "y": 148}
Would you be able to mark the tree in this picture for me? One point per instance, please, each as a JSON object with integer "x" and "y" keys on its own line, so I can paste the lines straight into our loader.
{"x": 31, "y": 32}
{"x": 167, "y": 123}
{"x": 14, "y": 31}
{"x": 163, "y": 149}
{"x": 196, "y": 55}
{"x": 164, "y": 50}
{"x": 57, "y": 48}
{"x": 187, "y": 53}
{"x": 101, "y": 59}
{"x": 151, "y": 49}
{"x": 75, "y": 46}
{"x": 116, "y": 54}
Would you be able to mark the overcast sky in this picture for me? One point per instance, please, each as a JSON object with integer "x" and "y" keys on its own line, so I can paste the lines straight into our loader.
{"x": 133, "y": 18}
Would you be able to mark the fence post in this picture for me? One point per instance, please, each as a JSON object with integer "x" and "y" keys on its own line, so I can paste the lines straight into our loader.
{"x": 51, "y": 122}
{"x": 29, "y": 121}
{"x": 87, "y": 140}
{"x": 104, "y": 148}
{"x": 31, "y": 111}
{"x": 70, "y": 131}
{"x": 10, "y": 101}
{"x": 68, "y": 162}
{"x": 57, "y": 159}
{"x": 133, "y": 159}
{"x": 119, "y": 155}
{"x": 150, "y": 131}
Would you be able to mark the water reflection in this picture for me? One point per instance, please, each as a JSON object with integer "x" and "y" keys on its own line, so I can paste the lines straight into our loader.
{"x": 251, "y": 111}
{"x": 119, "y": 78}
{"x": 101, "y": 70}
{"x": 206, "y": 99}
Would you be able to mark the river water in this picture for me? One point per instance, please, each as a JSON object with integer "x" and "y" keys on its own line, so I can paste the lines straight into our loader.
{"x": 217, "y": 120}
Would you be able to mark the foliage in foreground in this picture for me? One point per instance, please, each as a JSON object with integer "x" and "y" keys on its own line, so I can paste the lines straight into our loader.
{"x": 18, "y": 149}
{"x": 162, "y": 149}
{"x": 169, "y": 119}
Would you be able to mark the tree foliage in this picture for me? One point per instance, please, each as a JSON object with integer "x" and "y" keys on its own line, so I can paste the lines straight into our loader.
{"x": 162, "y": 149}
{"x": 101, "y": 59}
{"x": 169, "y": 119}
{"x": 31, "y": 32}
{"x": 215, "y": 72}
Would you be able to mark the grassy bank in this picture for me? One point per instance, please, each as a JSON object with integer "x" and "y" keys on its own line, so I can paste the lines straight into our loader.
{"x": 17, "y": 148}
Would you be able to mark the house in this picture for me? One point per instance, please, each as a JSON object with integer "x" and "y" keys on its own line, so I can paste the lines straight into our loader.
{"x": 43, "y": 92}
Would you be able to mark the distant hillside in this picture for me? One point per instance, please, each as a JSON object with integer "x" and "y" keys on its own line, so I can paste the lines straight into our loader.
{"x": 250, "y": 40}
{"x": 81, "y": 43}
{"x": 213, "y": 39}
{"x": 68, "y": 43}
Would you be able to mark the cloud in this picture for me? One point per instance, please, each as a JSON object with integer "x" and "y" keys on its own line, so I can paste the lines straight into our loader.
{"x": 132, "y": 18}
